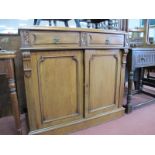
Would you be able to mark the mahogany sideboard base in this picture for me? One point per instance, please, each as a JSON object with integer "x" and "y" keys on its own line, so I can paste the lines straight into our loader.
{"x": 80, "y": 124}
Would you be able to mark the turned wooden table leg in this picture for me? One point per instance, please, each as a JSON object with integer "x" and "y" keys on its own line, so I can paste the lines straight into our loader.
{"x": 141, "y": 79}
{"x": 13, "y": 95}
{"x": 129, "y": 96}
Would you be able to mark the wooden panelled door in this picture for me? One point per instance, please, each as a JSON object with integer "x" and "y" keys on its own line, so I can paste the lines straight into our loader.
{"x": 102, "y": 78}
{"x": 60, "y": 83}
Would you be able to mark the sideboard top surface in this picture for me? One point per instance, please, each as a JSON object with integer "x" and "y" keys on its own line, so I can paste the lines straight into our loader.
{"x": 46, "y": 28}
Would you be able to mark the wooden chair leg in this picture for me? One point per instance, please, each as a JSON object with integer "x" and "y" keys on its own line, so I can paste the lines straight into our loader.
{"x": 55, "y": 22}
{"x": 36, "y": 22}
{"x": 66, "y": 23}
{"x": 16, "y": 112}
{"x": 50, "y": 22}
{"x": 77, "y": 21}
{"x": 13, "y": 96}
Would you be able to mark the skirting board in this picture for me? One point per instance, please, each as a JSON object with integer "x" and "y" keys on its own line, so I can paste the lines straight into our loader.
{"x": 80, "y": 124}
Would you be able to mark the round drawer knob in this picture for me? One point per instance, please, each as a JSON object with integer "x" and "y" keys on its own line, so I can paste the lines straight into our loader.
{"x": 107, "y": 41}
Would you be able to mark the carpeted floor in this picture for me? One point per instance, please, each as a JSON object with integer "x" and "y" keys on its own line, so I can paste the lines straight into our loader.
{"x": 139, "y": 122}
{"x": 7, "y": 126}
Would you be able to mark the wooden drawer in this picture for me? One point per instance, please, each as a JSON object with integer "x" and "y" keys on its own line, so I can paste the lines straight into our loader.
{"x": 53, "y": 39}
{"x": 99, "y": 39}
{"x": 144, "y": 58}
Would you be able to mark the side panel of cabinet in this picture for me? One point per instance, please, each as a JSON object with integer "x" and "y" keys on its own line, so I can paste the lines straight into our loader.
{"x": 57, "y": 87}
{"x": 102, "y": 80}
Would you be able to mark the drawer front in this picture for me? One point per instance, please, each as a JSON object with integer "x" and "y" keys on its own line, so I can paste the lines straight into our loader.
{"x": 98, "y": 39}
{"x": 54, "y": 39}
{"x": 142, "y": 59}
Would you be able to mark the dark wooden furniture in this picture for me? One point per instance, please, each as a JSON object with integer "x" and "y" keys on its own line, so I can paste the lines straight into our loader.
{"x": 138, "y": 58}
{"x": 97, "y": 22}
{"x": 38, "y": 21}
{"x": 91, "y": 23}
{"x": 149, "y": 80}
{"x": 8, "y": 57}
{"x": 74, "y": 78}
